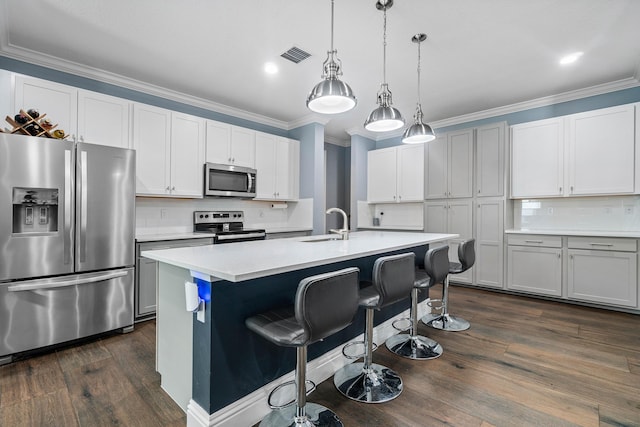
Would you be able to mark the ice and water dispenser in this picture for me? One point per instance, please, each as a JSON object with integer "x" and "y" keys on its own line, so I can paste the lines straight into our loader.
{"x": 35, "y": 210}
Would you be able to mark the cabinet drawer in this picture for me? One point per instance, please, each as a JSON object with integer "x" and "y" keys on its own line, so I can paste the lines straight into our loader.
{"x": 603, "y": 244}
{"x": 534, "y": 240}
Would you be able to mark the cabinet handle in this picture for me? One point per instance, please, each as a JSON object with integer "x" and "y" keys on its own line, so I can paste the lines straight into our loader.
{"x": 602, "y": 244}
{"x": 534, "y": 241}
{"x": 81, "y": 138}
{"x": 168, "y": 189}
{"x": 559, "y": 255}
{"x": 561, "y": 190}
{"x": 571, "y": 188}
{"x": 173, "y": 188}
{"x": 233, "y": 159}
{"x": 229, "y": 159}
{"x": 571, "y": 257}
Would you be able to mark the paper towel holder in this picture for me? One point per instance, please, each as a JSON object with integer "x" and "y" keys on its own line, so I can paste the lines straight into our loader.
{"x": 194, "y": 303}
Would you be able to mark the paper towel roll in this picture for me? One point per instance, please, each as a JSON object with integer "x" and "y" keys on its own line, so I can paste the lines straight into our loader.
{"x": 191, "y": 296}
{"x": 278, "y": 206}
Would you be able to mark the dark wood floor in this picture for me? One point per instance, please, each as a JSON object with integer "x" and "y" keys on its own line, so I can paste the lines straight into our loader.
{"x": 524, "y": 362}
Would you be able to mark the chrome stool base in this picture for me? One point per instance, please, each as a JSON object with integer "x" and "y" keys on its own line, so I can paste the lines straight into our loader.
{"x": 416, "y": 347}
{"x": 374, "y": 385}
{"x": 445, "y": 322}
{"x": 315, "y": 416}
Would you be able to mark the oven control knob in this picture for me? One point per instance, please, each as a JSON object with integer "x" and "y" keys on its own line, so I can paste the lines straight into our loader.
{"x": 206, "y": 216}
{"x": 201, "y": 216}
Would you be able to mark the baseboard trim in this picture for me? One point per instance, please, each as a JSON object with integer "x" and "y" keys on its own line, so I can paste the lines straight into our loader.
{"x": 252, "y": 408}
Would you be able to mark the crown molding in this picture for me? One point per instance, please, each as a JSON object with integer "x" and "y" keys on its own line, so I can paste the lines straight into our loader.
{"x": 103, "y": 76}
{"x": 573, "y": 95}
{"x": 336, "y": 141}
{"x": 308, "y": 119}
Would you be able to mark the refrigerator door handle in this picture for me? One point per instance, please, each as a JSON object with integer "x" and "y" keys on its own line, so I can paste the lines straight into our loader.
{"x": 67, "y": 208}
{"x": 35, "y": 285}
{"x": 83, "y": 206}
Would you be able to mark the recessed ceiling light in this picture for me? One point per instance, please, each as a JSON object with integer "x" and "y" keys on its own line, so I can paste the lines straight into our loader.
{"x": 570, "y": 58}
{"x": 270, "y": 68}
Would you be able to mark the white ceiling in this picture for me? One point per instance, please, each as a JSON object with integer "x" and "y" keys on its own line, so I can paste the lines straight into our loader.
{"x": 479, "y": 55}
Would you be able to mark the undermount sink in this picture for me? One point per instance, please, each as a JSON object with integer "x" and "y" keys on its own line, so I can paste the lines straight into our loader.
{"x": 325, "y": 239}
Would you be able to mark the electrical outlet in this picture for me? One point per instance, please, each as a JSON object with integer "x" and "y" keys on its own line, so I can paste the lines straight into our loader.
{"x": 550, "y": 211}
{"x": 163, "y": 213}
{"x": 628, "y": 210}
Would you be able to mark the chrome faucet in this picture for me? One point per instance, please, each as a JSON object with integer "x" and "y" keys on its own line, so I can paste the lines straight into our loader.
{"x": 344, "y": 231}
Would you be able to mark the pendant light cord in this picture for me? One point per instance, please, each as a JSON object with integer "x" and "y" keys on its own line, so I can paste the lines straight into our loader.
{"x": 332, "y": 25}
{"x": 384, "y": 47}
{"x": 419, "y": 43}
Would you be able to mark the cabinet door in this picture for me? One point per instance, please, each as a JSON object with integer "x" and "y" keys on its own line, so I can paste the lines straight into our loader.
{"x": 460, "y": 173}
{"x": 436, "y": 168}
{"x": 283, "y": 170}
{"x": 265, "y": 166}
{"x": 218, "y": 143}
{"x": 187, "y": 155}
{"x": 535, "y": 270}
{"x": 410, "y": 183}
{"x": 435, "y": 217}
{"x": 103, "y": 119}
{"x": 489, "y": 243}
{"x": 58, "y": 102}
{"x": 459, "y": 221}
{"x": 381, "y": 175}
{"x": 490, "y": 160}
{"x": 243, "y": 147}
{"x": 151, "y": 140}
{"x": 146, "y": 289}
{"x": 604, "y": 277}
{"x": 601, "y": 151}
{"x": 537, "y": 160}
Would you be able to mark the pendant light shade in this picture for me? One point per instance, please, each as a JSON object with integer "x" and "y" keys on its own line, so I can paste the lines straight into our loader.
{"x": 331, "y": 95}
{"x": 418, "y": 132}
{"x": 385, "y": 117}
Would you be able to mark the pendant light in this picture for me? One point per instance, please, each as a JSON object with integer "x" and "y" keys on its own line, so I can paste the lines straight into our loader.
{"x": 331, "y": 95}
{"x": 385, "y": 117}
{"x": 418, "y": 132}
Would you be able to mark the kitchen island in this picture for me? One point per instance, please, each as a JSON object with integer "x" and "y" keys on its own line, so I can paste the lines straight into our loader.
{"x": 215, "y": 367}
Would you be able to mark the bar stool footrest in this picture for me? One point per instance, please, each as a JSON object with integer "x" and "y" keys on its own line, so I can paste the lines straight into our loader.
{"x": 397, "y": 322}
{"x": 310, "y": 387}
{"x": 349, "y": 353}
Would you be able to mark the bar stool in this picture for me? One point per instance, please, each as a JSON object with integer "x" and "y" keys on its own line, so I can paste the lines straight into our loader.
{"x": 366, "y": 381}
{"x": 444, "y": 320}
{"x": 412, "y": 345}
{"x": 324, "y": 304}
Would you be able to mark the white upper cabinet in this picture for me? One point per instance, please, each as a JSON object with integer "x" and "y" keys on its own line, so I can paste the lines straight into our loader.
{"x": 187, "y": 155}
{"x": 103, "y": 119}
{"x": 84, "y": 115}
{"x": 537, "y": 164}
{"x": 152, "y": 142}
{"x": 449, "y": 166}
{"x": 59, "y": 102}
{"x": 169, "y": 152}
{"x": 581, "y": 154}
{"x": 230, "y": 145}
{"x": 277, "y": 165}
{"x": 490, "y": 164}
{"x": 602, "y": 151}
{"x": 396, "y": 174}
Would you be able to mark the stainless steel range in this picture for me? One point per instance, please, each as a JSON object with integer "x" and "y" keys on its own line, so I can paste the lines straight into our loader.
{"x": 225, "y": 226}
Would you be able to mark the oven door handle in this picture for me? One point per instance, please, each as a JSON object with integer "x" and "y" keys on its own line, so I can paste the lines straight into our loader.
{"x": 241, "y": 236}
{"x": 38, "y": 285}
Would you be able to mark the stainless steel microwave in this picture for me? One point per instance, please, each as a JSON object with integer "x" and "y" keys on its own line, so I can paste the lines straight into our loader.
{"x": 229, "y": 181}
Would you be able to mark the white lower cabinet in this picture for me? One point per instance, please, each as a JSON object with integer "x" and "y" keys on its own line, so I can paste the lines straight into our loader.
{"x": 535, "y": 270}
{"x": 607, "y": 275}
{"x": 489, "y": 243}
{"x": 453, "y": 216}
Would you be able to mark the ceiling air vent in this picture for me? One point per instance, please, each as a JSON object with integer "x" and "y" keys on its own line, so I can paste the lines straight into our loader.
{"x": 295, "y": 55}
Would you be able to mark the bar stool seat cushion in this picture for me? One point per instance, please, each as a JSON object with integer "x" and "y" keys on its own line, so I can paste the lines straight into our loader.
{"x": 278, "y": 326}
{"x": 455, "y": 268}
{"x": 368, "y": 296}
{"x": 423, "y": 281}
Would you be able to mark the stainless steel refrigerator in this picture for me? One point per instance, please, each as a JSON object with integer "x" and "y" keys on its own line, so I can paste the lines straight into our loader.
{"x": 67, "y": 230}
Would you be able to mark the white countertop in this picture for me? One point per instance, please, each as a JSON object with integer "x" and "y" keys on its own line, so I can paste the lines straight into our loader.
{"x": 626, "y": 234}
{"x": 171, "y": 236}
{"x": 250, "y": 260}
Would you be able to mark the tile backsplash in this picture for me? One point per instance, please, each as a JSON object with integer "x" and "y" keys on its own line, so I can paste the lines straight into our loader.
{"x": 159, "y": 215}
{"x": 614, "y": 213}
